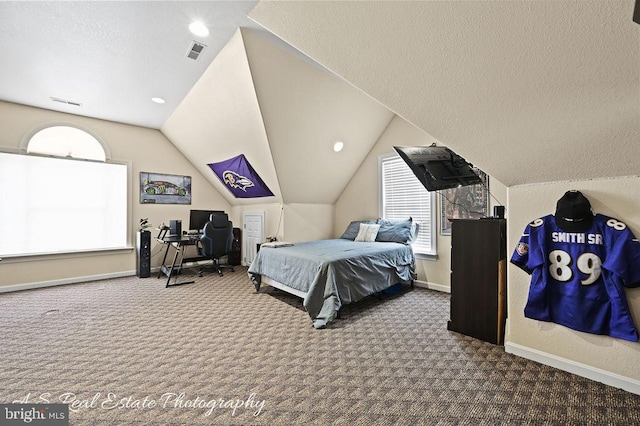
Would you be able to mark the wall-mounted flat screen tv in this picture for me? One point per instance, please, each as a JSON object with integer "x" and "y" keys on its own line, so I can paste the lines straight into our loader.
{"x": 437, "y": 167}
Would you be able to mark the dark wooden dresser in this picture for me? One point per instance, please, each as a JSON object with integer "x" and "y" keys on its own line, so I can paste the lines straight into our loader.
{"x": 479, "y": 279}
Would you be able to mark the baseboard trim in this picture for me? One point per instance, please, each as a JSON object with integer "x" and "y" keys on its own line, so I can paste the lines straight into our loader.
{"x": 64, "y": 281}
{"x": 76, "y": 280}
{"x": 432, "y": 286}
{"x": 596, "y": 374}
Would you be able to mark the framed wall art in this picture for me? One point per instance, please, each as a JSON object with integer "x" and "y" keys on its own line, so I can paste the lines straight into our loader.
{"x": 159, "y": 188}
{"x": 465, "y": 202}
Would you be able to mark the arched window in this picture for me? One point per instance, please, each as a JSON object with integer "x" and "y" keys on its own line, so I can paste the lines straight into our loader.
{"x": 57, "y": 201}
{"x": 66, "y": 141}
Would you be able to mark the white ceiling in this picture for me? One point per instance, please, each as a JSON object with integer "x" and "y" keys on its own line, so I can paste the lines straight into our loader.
{"x": 284, "y": 114}
{"x": 249, "y": 93}
{"x": 111, "y": 57}
{"x": 529, "y": 91}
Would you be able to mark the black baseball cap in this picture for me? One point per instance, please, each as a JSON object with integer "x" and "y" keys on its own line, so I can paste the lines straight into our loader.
{"x": 573, "y": 212}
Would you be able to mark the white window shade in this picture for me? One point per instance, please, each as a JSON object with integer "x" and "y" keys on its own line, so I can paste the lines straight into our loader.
{"x": 53, "y": 205}
{"x": 403, "y": 196}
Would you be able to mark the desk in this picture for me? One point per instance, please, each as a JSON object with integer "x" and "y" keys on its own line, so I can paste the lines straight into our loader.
{"x": 178, "y": 243}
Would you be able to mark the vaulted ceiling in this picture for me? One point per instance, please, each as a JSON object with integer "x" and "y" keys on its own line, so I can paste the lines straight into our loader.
{"x": 529, "y": 91}
{"x": 284, "y": 113}
{"x": 109, "y": 58}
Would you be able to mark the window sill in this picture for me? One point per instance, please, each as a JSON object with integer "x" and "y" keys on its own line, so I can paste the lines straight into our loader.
{"x": 18, "y": 258}
{"x": 426, "y": 256}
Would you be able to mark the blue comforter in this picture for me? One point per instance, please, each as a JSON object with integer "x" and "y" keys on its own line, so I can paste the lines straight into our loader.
{"x": 334, "y": 272}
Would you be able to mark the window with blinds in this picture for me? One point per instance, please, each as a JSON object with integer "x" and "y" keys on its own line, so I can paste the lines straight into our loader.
{"x": 57, "y": 201}
{"x": 403, "y": 196}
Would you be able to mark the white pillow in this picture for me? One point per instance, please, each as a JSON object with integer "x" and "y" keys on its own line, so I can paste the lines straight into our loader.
{"x": 367, "y": 232}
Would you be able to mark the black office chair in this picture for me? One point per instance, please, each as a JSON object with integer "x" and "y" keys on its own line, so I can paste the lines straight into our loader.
{"x": 216, "y": 240}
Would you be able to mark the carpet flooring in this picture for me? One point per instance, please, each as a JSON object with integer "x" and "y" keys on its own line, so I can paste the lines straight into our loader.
{"x": 129, "y": 351}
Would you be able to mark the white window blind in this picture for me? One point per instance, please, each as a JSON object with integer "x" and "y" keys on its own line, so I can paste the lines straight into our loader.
{"x": 54, "y": 205}
{"x": 402, "y": 196}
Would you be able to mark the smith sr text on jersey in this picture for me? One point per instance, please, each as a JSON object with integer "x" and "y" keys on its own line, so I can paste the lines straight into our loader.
{"x": 576, "y": 237}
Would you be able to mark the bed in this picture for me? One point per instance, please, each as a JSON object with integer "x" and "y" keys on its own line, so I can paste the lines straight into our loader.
{"x": 369, "y": 258}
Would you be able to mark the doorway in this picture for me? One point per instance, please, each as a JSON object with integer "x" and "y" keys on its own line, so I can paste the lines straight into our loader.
{"x": 253, "y": 235}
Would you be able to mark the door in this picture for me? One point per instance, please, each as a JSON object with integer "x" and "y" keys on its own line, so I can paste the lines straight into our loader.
{"x": 253, "y": 234}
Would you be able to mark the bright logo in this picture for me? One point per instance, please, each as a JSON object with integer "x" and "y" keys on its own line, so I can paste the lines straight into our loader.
{"x": 522, "y": 249}
{"x": 234, "y": 180}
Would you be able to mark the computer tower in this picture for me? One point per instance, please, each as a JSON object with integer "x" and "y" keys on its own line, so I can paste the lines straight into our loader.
{"x": 143, "y": 254}
{"x": 234, "y": 256}
{"x": 175, "y": 227}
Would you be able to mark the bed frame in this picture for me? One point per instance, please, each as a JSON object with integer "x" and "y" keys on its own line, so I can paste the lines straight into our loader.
{"x": 280, "y": 286}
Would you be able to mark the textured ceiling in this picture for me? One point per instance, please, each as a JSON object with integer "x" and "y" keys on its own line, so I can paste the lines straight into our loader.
{"x": 253, "y": 95}
{"x": 530, "y": 91}
{"x": 284, "y": 114}
{"x": 111, "y": 57}
{"x": 305, "y": 111}
{"x": 220, "y": 118}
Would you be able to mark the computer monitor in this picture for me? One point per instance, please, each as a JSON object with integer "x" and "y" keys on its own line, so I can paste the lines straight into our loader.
{"x": 198, "y": 218}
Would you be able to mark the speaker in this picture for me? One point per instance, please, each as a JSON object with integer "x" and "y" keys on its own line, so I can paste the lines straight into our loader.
{"x": 234, "y": 257}
{"x": 143, "y": 254}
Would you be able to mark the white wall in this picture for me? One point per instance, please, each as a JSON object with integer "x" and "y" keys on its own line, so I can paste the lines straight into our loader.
{"x": 292, "y": 222}
{"x": 147, "y": 149}
{"x": 613, "y": 197}
{"x": 306, "y": 222}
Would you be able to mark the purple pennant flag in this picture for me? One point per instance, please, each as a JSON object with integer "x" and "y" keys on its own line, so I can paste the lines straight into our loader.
{"x": 240, "y": 178}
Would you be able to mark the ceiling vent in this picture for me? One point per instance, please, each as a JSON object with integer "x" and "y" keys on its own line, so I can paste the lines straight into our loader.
{"x": 65, "y": 101}
{"x": 195, "y": 50}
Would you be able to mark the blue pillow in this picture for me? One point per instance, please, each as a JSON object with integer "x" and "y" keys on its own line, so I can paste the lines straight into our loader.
{"x": 393, "y": 231}
{"x": 353, "y": 228}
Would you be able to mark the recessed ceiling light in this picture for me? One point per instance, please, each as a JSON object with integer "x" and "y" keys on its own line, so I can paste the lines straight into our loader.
{"x": 199, "y": 29}
{"x": 158, "y": 100}
{"x": 337, "y": 147}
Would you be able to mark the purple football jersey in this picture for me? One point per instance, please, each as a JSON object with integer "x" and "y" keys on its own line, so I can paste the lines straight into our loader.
{"x": 578, "y": 278}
